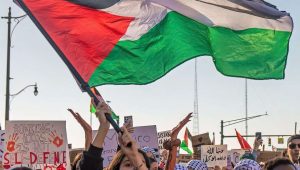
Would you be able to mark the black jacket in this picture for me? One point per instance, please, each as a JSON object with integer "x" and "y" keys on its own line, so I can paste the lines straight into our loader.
{"x": 91, "y": 159}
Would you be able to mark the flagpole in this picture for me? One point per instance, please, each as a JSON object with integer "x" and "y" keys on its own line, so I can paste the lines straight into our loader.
{"x": 91, "y": 120}
{"x": 83, "y": 85}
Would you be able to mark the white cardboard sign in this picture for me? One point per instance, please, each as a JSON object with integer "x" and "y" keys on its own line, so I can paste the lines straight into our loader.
{"x": 143, "y": 135}
{"x": 214, "y": 155}
{"x": 162, "y": 137}
{"x": 36, "y": 144}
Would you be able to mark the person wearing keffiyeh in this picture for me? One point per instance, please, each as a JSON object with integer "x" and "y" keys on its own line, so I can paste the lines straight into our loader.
{"x": 180, "y": 167}
{"x": 247, "y": 164}
{"x": 196, "y": 165}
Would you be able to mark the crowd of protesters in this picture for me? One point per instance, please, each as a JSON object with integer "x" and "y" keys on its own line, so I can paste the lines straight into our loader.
{"x": 130, "y": 157}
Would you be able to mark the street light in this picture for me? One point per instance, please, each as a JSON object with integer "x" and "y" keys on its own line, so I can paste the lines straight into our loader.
{"x": 35, "y": 91}
{"x": 9, "y": 35}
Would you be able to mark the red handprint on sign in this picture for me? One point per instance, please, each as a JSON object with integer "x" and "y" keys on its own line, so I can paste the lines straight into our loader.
{"x": 55, "y": 139}
{"x": 55, "y": 167}
{"x": 61, "y": 167}
{"x": 10, "y": 145}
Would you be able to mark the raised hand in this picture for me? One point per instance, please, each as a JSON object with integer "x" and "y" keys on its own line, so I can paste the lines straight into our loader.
{"x": 86, "y": 127}
{"x": 257, "y": 143}
{"x": 172, "y": 144}
{"x": 181, "y": 124}
{"x": 101, "y": 110}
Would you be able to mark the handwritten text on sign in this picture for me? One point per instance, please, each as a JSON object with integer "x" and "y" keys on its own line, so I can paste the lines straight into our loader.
{"x": 2, "y": 142}
{"x": 35, "y": 142}
{"x": 143, "y": 135}
{"x": 214, "y": 155}
{"x": 162, "y": 137}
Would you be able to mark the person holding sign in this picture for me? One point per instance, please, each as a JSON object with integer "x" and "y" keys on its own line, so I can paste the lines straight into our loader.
{"x": 129, "y": 157}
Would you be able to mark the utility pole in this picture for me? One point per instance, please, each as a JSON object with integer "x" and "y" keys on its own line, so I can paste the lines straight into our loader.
{"x": 295, "y": 128}
{"x": 8, "y": 64}
{"x": 195, "y": 115}
{"x": 9, "y": 34}
{"x": 222, "y": 132}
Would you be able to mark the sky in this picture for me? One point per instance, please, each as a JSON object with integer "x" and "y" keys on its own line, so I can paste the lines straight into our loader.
{"x": 163, "y": 103}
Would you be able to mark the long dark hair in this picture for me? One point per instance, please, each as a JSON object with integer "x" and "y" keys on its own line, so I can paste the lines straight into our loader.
{"x": 119, "y": 156}
{"x": 76, "y": 160}
{"x": 273, "y": 163}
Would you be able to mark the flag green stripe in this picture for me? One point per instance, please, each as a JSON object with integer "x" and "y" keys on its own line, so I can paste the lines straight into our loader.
{"x": 113, "y": 114}
{"x": 92, "y": 108}
{"x": 252, "y": 53}
{"x": 184, "y": 147}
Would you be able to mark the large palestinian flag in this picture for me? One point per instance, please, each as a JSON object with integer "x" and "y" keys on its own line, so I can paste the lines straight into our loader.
{"x": 139, "y": 41}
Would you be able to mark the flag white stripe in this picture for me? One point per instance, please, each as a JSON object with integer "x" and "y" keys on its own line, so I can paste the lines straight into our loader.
{"x": 148, "y": 13}
{"x": 233, "y": 19}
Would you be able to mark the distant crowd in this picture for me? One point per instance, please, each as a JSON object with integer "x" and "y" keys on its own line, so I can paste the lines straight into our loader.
{"x": 130, "y": 157}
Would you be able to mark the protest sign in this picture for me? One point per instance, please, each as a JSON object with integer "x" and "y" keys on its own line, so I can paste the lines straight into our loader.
{"x": 202, "y": 139}
{"x": 214, "y": 155}
{"x": 197, "y": 141}
{"x": 2, "y": 142}
{"x": 38, "y": 144}
{"x": 143, "y": 135}
{"x": 162, "y": 137}
{"x": 234, "y": 155}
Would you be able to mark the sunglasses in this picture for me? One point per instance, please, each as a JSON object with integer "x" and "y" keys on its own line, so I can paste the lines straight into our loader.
{"x": 293, "y": 145}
